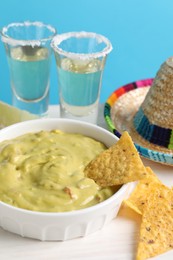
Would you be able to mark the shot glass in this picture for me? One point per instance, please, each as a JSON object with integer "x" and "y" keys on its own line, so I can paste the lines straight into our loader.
{"x": 28, "y": 51}
{"x": 80, "y": 59}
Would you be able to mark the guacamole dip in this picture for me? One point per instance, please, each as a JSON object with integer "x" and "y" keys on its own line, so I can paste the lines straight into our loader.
{"x": 44, "y": 172}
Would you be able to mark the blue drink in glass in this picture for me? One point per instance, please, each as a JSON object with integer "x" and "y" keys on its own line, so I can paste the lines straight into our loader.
{"x": 80, "y": 59}
{"x": 29, "y": 74}
{"x": 79, "y": 86}
{"x": 28, "y": 50}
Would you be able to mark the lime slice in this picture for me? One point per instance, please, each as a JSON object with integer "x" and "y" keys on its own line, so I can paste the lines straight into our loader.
{"x": 10, "y": 115}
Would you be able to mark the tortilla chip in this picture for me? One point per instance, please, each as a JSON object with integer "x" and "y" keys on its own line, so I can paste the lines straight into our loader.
{"x": 133, "y": 205}
{"x": 139, "y": 196}
{"x": 156, "y": 232}
{"x": 117, "y": 165}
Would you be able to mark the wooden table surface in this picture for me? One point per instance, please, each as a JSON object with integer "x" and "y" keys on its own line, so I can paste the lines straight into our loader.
{"x": 117, "y": 241}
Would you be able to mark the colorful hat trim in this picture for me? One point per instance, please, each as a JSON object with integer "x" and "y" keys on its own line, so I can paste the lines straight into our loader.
{"x": 153, "y": 133}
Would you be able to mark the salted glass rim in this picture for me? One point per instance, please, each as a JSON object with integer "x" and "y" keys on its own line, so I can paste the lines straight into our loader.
{"x": 12, "y": 41}
{"x": 59, "y": 38}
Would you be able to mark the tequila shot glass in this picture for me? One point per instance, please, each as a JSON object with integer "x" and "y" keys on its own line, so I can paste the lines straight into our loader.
{"x": 28, "y": 51}
{"x": 80, "y": 59}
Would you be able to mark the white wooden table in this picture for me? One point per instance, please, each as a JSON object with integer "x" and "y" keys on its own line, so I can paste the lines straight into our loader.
{"x": 116, "y": 241}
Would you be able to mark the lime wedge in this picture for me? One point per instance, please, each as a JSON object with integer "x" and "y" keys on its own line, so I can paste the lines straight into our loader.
{"x": 10, "y": 115}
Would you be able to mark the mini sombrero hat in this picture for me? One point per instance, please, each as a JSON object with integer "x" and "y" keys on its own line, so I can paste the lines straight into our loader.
{"x": 146, "y": 112}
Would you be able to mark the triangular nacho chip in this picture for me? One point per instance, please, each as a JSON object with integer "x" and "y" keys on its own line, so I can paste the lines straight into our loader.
{"x": 139, "y": 196}
{"x": 156, "y": 232}
{"x": 117, "y": 165}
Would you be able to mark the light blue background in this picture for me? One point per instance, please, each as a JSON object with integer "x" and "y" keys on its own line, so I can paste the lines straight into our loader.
{"x": 141, "y": 32}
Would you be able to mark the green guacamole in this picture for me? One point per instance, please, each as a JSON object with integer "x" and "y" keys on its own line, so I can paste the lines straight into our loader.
{"x": 44, "y": 172}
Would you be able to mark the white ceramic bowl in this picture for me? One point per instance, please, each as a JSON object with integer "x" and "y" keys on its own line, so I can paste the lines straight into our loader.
{"x": 67, "y": 225}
